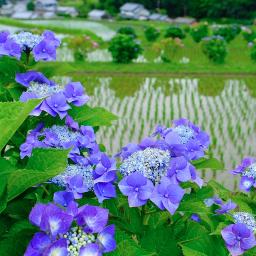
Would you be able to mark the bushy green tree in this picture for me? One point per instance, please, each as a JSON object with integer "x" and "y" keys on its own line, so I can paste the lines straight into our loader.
{"x": 127, "y": 31}
{"x": 174, "y": 32}
{"x": 199, "y": 32}
{"x": 228, "y": 32}
{"x": 215, "y": 49}
{"x": 124, "y": 48}
{"x": 151, "y": 33}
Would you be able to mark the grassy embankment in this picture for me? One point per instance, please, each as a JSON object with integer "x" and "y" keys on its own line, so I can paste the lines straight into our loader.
{"x": 237, "y": 62}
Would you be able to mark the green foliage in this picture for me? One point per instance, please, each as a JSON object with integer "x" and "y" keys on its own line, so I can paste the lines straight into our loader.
{"x": 151, "y": 34}
{"x": 174, "y": 32}
{"x": 167, "y": 49}
{"x": 127, "y": 31}
{"x": 253, "y": 52}
{"x": 13, "y": 114}
{"x": 86, "y": 115}
{"x": 227, "y": 32}
{"x": 249, "y": 35}
{"x": 31, "y": 6}
{"x": 124, "y": 48}
{"x": 199, "y": 32}
{"x": 215, "y": 49}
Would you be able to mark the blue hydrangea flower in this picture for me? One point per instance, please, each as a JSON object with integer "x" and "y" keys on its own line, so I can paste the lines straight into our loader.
{"x": 184, "y": 139}
{"x": 42, "y": 46}
{"x": 65, "y": 234}
{"x": 238, "y": 238}
{"x": 247, "y": 171}
{"x": 245, "y": 218}
{"x": 56, "y": 98}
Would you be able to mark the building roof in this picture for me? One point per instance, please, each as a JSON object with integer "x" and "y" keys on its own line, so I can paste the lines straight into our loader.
{"x": 184, "y": 20}
{"x": 46, "y": 2}
{"x": 130, "y": 7}
{"x": 97, "y": 13}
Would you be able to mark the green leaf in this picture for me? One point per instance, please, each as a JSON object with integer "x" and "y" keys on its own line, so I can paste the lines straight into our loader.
{"x": 12, "y": 115}
{"x": 161, "y": 241}
{"x": 43, "y": 165}
{"x": 127, "y": 246}
{"x": 86, "y": 115}
{"x": 208, "y": 163}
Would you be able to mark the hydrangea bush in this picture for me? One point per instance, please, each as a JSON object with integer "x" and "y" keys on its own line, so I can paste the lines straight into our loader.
{"x": 63, "y": 195}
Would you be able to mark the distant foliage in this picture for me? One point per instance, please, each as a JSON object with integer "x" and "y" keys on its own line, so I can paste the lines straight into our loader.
{"x": 168, "y": 48}
{"x": 151, "y": 34}
{"x": 215, "y": 48}
{"x": 228, "y": 32}
{"x": 198, "y": 32}
{"x": 80, "y": 46}
{"x": 127, "y": 31}
{"x": 175, "y": 32}
{"x": 249, "y": 35}
{"x": 124, "y": 48}
{"x": 253, "y": 51}
{"x": 30, "y": 6}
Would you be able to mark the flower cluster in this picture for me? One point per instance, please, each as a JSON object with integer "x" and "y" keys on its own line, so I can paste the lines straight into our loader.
{"x": 245, "y": 218}
{"x": 55, "y": 97}
{"x": 224, "y": 207}
{"x": 238, "y": 238}
{"x": 91, "y": 170}
{"x": 154, "y": 168}
{"x": 42, "y": 46}
{"x": 247, "y": 171}
{"x": 69, "y": 230}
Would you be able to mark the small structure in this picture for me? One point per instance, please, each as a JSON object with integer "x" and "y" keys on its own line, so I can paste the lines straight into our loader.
{"x": 6, "y": 9}
{"x": 46, "y": 5}
{"x": 97, "y": 15}
{"x": 134, "y": 11}
{"x": 159, "y": 17}
{"x": 184, "y": 21}
{"x": 66, "y": 10}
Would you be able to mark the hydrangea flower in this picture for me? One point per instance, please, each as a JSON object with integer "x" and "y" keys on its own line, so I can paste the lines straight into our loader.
{"x": 64, "y": 234}
{"x": 247, "y": 171}
{"x": 42, "y": 46}
{"x": 245, "y": 218}
{"x": 195, "y": 217}
{"x": 145, "y": 176}
{"x": 238, "y": 238}
{"x": 226, "y": 207}
{"x": 56, "y": 98}
{"x": 91, "y": 169}
{"x": 184, "y": 139}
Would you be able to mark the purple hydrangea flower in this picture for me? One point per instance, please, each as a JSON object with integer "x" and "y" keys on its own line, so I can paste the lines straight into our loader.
{"x": 43, "y": 46}
{"x": 247, "y": 171}
{"x": 195, "y": 217}
{"x": 63, "y": 234}
{"x": 238, "y": 238}
{"x": 55, "y": 97}
{"x": 185, "y": 139}
{"x": 138, "y": 189}
{"x": 226, "y": 207}
{"x": 245, "y": 218}
{"x": 214, "y": 200}
{"x": 167, "y": 195}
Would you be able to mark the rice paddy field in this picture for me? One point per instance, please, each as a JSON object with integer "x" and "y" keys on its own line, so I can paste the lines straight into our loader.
{"x": 223, "y": 106}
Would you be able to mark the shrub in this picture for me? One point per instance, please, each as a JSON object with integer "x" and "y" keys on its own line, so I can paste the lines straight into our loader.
{"x": 167, "y": 48}
{"x": 253, "y": 51}
{"x": 215, "y": 48}
{"x": 227, "y": 32}
{"x": 30, "y": 6}
{"x": 151, "y": 34}
{"x": 124, "y": 48}
{"x": 249, "y": 35}
{"x": 199, "y": 32}
{"x": 127, "y": 31}
{"x": 81, "y": 45}
{"x": 174, "y": 32}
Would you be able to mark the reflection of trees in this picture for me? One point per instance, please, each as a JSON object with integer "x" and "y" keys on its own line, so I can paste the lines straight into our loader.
{"x": 126, "y": 85}
{"x": 209, "y": 86}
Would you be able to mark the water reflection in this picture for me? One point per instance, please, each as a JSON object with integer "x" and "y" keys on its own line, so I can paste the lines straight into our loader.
{"x": 225, "y": 108}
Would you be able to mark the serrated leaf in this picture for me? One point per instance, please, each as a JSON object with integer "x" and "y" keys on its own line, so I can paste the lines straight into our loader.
{"x": 161, "y": 241}
{"x": 208, "y": 163}
{"x": 86, "y": 115}
{"x": 12, "y": 115}
{"x": 43, "y": 165}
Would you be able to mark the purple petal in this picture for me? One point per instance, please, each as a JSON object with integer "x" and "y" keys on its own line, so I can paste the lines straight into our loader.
{"x": 35, "y": 215}
{"x": 58, "y": 248}
{"x": 106, "y": 239}
{"x": 63, "y": 198}
{"x": 90, "y": 250}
